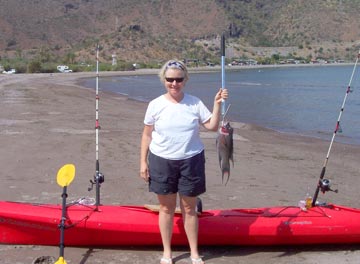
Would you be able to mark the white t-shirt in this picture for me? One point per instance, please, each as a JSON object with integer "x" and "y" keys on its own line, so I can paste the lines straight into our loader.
{"x": 176, "y": 132}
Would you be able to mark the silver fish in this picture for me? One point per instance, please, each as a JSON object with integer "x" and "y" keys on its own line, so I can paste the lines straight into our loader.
{"x": 225, "y": 149}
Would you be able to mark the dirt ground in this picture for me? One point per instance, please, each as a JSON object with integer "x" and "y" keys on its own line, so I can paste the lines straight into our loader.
{"x": 47, "y": 120}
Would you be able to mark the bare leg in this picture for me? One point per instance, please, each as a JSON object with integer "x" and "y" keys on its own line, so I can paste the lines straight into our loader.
{"x": 166, "y": 217}
{"x": 188, "y": 209}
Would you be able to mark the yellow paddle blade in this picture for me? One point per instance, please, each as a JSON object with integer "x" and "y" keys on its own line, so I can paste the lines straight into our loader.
{"x": 66, "y": 175}
{"x": 61, "y": 260}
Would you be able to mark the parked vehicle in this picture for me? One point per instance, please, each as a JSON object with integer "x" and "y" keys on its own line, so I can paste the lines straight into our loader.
{"x": 63, "y": 68}
{"x": 11, "y": 71}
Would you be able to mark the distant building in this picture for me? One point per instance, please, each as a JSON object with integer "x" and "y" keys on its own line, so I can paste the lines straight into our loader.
{"x": 191, "y": 62}
{"x": 242, "y": 62}
{"x": 114, "y": 60}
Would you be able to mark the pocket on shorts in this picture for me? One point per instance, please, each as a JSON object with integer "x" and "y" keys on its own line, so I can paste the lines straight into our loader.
{"x": 157, "y": 169}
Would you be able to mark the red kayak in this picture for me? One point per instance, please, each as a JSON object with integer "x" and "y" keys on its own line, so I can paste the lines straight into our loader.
{"x": 111, "y": 226}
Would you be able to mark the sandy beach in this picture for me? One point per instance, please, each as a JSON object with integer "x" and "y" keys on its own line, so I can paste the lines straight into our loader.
{"x": 48, "y": 120}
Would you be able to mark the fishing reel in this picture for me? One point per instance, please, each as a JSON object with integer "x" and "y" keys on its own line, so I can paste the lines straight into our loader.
{"x": 325, "y": 185}
{"x": 98, "y": 179}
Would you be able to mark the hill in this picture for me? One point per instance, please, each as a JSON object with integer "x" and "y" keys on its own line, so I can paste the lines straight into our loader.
{"x": 153, "y": 30}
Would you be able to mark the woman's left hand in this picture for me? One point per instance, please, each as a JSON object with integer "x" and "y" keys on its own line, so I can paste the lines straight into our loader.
{"x": 222, "y": 94}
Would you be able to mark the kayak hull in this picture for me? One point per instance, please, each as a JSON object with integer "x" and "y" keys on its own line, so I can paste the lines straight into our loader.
{"x": 111, "y": 226}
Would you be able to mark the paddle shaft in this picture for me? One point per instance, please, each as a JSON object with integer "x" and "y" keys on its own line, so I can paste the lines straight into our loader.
{"x": 337, "y": 128}
{"x": 62, "y": 222}
{"x": 64, "y": 177}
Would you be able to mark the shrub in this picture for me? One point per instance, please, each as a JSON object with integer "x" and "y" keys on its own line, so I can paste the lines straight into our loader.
{"x": 34, "y": 67}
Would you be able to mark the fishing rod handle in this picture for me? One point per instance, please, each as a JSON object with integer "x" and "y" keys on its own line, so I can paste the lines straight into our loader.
{"x": 223, "y": 104}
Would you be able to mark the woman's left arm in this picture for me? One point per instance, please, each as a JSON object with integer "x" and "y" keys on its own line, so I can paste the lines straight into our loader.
{"x": 213, "y": 123}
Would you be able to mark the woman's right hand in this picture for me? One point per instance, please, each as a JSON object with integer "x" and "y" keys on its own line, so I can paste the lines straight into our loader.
{"x": 144, "y": 171}
{"x": 145, "y": 142}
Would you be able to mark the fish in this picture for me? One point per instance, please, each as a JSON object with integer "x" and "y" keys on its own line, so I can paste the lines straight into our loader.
{"x": 225, "y": 150}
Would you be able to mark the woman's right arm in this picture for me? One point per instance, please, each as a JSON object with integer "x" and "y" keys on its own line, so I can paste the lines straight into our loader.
{"x": 145, "y": 142}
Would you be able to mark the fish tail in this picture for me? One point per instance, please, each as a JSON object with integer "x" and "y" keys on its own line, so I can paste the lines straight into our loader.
{"x": 225, "y": 174}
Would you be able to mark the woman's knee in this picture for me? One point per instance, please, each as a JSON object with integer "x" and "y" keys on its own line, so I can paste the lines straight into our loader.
{"x": 167, "y": 203}
{"x": 167, "y": 209}
{"x": 188, "y": 205}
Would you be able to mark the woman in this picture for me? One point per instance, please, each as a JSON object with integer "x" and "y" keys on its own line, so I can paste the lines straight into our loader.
{"x": 172, "y": 154}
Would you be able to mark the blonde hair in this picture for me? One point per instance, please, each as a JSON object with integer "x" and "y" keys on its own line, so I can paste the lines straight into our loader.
{"x": 173, "y": 64}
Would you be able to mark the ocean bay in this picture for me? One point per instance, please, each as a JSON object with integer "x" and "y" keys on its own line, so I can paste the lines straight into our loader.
{"x": 298, "y": 100}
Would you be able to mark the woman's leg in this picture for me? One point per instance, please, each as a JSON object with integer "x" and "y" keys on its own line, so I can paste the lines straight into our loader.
{"x": 188, "y": 208}
{"x": 166, "y": 217}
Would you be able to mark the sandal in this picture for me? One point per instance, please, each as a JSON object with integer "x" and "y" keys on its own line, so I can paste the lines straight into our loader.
{"x": 197, "y": 261}
{"x": 166, "y": 261}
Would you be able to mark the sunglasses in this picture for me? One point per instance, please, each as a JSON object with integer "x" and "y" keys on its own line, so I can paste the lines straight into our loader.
{"x": 178, "y": 80}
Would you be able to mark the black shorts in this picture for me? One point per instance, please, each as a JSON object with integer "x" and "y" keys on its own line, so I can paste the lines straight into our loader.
{"x": 186, "y": 177}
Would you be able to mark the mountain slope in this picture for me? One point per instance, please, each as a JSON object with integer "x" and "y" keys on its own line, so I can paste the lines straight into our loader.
{"x": 152, "y": 30}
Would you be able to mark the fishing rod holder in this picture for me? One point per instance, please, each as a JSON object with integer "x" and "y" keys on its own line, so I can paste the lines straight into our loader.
{"x": 325, "y": 186}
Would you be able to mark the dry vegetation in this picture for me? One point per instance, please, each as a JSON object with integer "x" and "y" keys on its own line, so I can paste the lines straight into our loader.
{"x": 152, "y": 30}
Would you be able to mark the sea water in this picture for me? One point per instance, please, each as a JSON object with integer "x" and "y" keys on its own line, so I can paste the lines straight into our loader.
{"x": 299, "y": 100}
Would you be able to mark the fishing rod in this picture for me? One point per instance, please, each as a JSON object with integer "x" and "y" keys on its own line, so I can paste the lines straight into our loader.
{"x": 324, "y": 184}
{"x": 224, "y": 110}
{"x": 98, "y": 177}
{"x": 223, "y": 103}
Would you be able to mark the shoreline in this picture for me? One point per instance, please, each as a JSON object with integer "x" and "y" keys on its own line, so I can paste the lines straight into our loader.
{"x": 324, "y": 135}
{"x": 48, "y": 120}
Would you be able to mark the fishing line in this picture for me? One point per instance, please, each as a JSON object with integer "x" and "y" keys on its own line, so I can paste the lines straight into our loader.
{"x": 227, "y": 110}
{"x": 324, "y": 184}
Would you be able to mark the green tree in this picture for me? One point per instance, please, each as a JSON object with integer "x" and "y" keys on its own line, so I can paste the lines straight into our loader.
{"x": 44, "y": 55}
{"x": 275, "y": 57}
{"x": 19, "y": 53}
{"x": 34, "y": 66}
{"x": 70, "y": 58}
